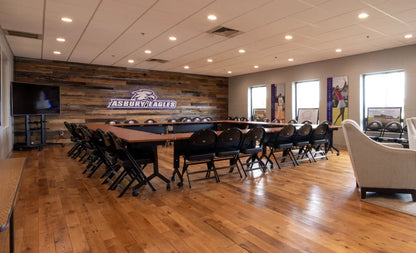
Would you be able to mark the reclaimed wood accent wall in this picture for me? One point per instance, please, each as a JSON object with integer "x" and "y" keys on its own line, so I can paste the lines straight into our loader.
{"x": 87, "y": 89}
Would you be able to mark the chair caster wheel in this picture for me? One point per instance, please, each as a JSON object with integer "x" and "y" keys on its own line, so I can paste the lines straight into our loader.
{"x": 180, "y": 184}
{"x": 168, "y": 187}
{"x": 135, "y": 193}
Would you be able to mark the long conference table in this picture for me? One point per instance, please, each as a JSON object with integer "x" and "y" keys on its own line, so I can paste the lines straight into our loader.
{"x": 154, "y": 134}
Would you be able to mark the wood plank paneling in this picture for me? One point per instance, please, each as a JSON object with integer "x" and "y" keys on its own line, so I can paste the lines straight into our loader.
{"x": 87, "y": 89}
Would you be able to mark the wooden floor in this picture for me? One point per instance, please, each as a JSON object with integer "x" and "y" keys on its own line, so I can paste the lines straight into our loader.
{"x": 309, "y": 208}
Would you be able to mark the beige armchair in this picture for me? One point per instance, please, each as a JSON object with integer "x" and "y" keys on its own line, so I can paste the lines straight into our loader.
{"x": 411, "y": 131}
{"x": 379, "y": 168}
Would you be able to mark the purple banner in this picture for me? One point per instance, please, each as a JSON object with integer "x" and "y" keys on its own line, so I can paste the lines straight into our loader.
{"x": 329, "y": 99}
{"x": 273, "y": 100}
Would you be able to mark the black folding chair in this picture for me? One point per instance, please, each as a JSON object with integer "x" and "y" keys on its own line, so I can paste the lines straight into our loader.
{"x": 250, "y": 147}
{"x": 392, "y": 132}
{"x": 374, "y": 129}
{"x": 301, "y": 142}
{"x": 319, "y": 142}
{"x": 228, "y": 148}
{"x": 200, "y": 150}
{"x": 133, "y": 161}
{"x": 283, "y": 142}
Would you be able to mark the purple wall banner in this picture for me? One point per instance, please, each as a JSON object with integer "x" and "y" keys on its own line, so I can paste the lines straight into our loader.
{"x": 329, "y": 99}
{"x": 337, "y": 99}
{"x": 273, "y": 100}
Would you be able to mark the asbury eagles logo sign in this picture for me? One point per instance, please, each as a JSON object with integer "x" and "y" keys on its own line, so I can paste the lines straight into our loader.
{"x": 142, "y": 99}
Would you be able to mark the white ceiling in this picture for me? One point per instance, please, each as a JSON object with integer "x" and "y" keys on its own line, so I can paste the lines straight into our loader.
{"x": 109, "y": 32}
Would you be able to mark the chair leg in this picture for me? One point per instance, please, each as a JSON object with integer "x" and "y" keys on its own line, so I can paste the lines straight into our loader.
{"x": 212, "y": 165}
{"x": 242, "y": 167}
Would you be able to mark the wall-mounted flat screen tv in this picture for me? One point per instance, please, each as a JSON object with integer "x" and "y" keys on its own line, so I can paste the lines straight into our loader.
{"x": 35, "y": 99}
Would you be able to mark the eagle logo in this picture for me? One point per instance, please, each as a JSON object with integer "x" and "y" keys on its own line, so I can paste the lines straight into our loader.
{"x": 143, "y": 94}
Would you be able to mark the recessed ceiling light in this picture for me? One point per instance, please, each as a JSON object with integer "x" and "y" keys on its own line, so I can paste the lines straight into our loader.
{"x": 56, "y": 52}
{"x": 229, "y": 72}
{"x": 172, "y": 38}
{"x": 408, "y": 36}
{"x": 209, "y": 60}
{"x": 131, "y": 61}
{"x": 290, "y": 59}
{"x": 256, "y": 66}
{"x": 338, "y": 50}
{"x": 288, "y": 37}
{"x": 66, "y": 19}
{"x": 60, "y": 39}
{"x": 186, "y": 67}
{"x": 212, "y": 17}
{"x": 241, "y": 51}
{"x": 363, "y": 15}
{"x": 147, "y": 51}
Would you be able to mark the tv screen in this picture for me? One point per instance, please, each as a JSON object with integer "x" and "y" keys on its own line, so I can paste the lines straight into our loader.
{"x": 35, "y": 99}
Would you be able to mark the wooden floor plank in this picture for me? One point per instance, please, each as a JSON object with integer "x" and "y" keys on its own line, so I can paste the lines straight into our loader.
{"x": 314, "y": 207}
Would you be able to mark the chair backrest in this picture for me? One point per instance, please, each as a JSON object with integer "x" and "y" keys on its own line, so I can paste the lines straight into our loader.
{"x": 150, "y": 121}
{"x": 118, "y": 143}
{"x": 292, "y": 121}
{"x": 229, "y": 138}
{"x": 112, "y": 122}
{"x": 266, "y": 120}
{"x": 307, "y": 122}
{"x": 320, "y": 132}
{"x": 202, "y": 141}
{"x": 71, "y": 129}
{"x": 303, "y": 133}
{"x": 131, "y": 121}
{"x": 411, "y": 132}
{"x": 393, "y": 127}
{"x": 276, "y": 121}
{"x": 87, "y": 133}
{"x": 243, "y": 119}
{"x": 172, "y": 120}
{"x": 286, "y": 135}
{"x": 327, "y": 122}
{"x": 185, "y": 119}
{"x": 206, "y": 119}
{"x": 374, "y": 126}
{"x": 104, "y": 136}
{"x": 196, "y": 119}
{"x": 253, "y": 138}
{"x": 68, "y": 126}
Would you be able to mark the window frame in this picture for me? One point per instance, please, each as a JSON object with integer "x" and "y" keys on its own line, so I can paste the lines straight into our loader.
{"x": 295, "y": 104}
{"x": 364, "y": 110}
{"x": 251, "y": 108}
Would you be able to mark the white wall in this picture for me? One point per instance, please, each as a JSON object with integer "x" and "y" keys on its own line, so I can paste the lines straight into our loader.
{"x": 402, "y": 58}
{"x": 6, "y": 129}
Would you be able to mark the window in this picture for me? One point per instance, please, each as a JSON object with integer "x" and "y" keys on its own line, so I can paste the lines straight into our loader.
{"x": 383, "y": 90}
{"x": 257, "y": 102}
{"x": 306, "y": 95}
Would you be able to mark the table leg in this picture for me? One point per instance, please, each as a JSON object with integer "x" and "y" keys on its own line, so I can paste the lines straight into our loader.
{"x": 156, "y": 172}
{"x": 11, "y": 231}
{"x": 331, "y": 142}
{"x": 177, "y": 152}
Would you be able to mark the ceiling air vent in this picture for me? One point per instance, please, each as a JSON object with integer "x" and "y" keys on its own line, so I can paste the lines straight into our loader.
{"x": 156, "y": 60}
{"x": 23, "y": 34}
{"x": 224, "y": 31}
